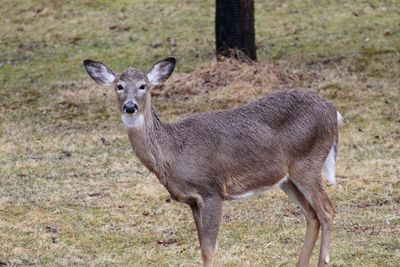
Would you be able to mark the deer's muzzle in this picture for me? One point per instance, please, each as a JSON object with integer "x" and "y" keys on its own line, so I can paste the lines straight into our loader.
{"x": 130, "y": 107}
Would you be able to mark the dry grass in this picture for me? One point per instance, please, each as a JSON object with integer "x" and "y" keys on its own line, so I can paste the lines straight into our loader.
{"x": 71, "y": 194}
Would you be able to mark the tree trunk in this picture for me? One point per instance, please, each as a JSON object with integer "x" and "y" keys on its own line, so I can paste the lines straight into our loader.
{"x": 234, "y": 27}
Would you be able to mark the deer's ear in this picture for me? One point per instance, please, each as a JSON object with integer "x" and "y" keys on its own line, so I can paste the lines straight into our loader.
{"x": 160, "y": 71}
{"x": 99, "y": 72}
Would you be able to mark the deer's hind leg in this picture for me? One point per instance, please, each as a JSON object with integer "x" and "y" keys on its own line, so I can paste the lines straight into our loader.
{"x": 311, "y": 217}
{"x": 306, "y": 175}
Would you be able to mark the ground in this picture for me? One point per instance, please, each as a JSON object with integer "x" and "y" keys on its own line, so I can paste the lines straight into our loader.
{"x": 72, "y": 194}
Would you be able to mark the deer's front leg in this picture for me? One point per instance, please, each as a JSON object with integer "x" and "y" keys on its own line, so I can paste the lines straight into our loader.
{"x": 208, "y": 219}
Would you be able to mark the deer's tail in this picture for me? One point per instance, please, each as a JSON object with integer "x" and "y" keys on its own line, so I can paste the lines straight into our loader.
{"x": 329, "y": 166}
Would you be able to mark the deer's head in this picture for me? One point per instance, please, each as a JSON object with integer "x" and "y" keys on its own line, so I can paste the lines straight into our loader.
{"x": 132, "y": 86}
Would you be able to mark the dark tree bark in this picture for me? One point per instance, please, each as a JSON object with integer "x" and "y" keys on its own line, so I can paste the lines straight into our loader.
{"x": 234, "y": 27}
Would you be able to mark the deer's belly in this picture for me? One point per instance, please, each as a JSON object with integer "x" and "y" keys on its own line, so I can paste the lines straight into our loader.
{"x": 244, "y": 194}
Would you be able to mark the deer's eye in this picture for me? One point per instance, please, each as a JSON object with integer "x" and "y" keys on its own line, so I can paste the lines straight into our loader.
{"x": 120, "y": 87}
{"x": 142, "y": 87}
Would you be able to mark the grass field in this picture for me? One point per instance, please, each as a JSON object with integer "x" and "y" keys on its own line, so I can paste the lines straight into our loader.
{"x": 72, "y": 194}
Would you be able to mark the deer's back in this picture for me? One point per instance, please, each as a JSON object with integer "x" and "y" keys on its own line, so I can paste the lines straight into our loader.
{"x": 278, "y": 113}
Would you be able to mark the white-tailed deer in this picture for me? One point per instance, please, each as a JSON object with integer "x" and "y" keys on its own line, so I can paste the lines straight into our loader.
{"x": 284, "y": 139}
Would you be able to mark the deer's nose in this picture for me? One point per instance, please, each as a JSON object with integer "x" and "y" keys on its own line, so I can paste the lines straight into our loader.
{"x": 130, "y": 107}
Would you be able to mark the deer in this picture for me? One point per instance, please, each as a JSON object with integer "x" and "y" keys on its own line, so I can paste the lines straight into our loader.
{"x": 285, "y": 139}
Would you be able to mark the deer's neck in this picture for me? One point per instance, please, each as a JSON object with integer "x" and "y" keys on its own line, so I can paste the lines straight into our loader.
{"x": 151, "y": 142}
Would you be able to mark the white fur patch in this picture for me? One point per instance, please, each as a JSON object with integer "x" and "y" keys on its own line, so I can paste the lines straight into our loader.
{"x": 132, "y": 121}
{"x": 284, "y": 179}
{"x": 153, "y": 75}
{"x": 339, "y": 118}
{"x": 254, "y": 192}
{"x": 249, "y": 194}
{"x": 304, "y": 191}
{"x": 329, "y": 166}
